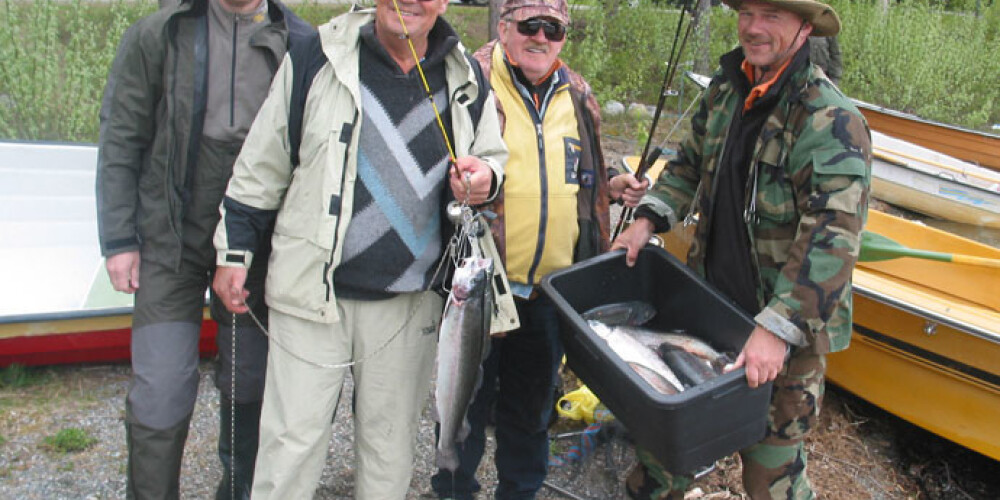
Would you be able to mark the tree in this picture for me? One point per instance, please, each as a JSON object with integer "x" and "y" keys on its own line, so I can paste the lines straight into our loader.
{"x": 495, "y": 6}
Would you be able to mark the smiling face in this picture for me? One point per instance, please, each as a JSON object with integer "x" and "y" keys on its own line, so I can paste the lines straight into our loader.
{"x": 419, "y": 18}
{"x": 534, "y": 54}
{"x": 770, "y": 36}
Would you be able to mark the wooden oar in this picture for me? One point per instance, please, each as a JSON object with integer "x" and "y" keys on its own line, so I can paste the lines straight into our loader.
{"x": 875, "y": 247}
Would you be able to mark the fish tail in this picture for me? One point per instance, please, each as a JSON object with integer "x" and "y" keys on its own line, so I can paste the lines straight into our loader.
{"x": 447, "y": 458}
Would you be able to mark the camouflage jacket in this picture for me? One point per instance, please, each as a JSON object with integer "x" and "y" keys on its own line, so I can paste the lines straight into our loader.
{"x": 807, "y": 201}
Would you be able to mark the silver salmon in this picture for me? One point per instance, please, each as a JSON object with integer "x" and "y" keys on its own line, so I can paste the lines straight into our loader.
{"x": 463, "y": 343}
{"x": 654, "y": 339}
{"x": 641, "y": 358}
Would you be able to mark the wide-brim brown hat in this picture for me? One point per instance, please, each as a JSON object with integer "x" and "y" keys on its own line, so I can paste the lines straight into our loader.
{"x": 821, "y": 16}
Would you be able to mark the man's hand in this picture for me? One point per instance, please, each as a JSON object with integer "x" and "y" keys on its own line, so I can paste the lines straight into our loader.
{"x": 123, "y": 269}
{"x": 633, "y": 239}
{"x": 628, "y": 189}
{"x": 763, "y": 355}
{"x": 470, "y": 180}
{"x": 228, "y": 285}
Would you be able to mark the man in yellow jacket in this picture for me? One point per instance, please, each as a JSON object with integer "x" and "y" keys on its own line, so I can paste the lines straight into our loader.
{"x": 552, "y": 211}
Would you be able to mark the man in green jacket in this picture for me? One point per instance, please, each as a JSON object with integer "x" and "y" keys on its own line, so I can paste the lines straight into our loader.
{"x": 184, "y": 87}
{"x": 776, "y": 173}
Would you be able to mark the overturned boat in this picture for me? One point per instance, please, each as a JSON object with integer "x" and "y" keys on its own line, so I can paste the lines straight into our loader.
{"x": 56, "y": 301}
{"x": 926, "y": 181}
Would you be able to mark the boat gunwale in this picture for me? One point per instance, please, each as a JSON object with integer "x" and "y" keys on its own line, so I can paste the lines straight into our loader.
{"x": 961, "y": 326}
{"x": 908, "y": 116}
{"x": 66, "y": 315}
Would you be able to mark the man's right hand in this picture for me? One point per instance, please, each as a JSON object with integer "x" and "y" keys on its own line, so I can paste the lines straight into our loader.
{"x": 228, "y": 285}
{"x": 123, "y": 269}
{"x": 633, "y": 239}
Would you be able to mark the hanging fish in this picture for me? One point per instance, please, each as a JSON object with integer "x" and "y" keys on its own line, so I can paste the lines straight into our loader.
{"x": 463, "y": 343}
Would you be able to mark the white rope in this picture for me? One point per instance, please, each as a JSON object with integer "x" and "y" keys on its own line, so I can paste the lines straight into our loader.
{"x": 461, "y": 244}
{"x": 232, "y": 414}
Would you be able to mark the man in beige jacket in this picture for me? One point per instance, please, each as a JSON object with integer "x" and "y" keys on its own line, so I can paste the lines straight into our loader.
{"x": 358, "y": 232}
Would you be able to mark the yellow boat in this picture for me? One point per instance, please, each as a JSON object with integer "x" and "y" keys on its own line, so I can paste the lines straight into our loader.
{"x": 926, "y": 343}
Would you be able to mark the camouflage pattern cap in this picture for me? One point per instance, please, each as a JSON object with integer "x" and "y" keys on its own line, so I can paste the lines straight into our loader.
{"x": 821, "y": 16}
{"x": 520, "y": 10}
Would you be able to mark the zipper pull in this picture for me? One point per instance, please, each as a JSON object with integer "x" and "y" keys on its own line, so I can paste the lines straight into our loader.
{"x": 750, "y": 212}
{"x": 692, "y": 215}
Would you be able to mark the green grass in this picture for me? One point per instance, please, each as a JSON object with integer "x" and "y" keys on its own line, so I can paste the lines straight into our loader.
{"x": 19, "y": 376}
{"x": 69, "y": 440}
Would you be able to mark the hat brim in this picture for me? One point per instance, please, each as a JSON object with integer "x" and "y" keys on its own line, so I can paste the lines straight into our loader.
{"x": 821, "y": 16}
{"x": 525, "y": 13}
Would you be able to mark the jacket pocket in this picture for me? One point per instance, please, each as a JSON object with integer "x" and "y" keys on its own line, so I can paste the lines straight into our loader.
{"x": 295, "y": 276}
{"x": 840, "y": 181}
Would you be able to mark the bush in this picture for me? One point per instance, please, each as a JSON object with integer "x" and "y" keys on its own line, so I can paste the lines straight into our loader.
{"x": 917, "y": 57}
{"x": 54, "y": 59}
{"x": 920, "y": 59}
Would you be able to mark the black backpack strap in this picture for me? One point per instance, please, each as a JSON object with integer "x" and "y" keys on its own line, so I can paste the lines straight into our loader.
{"x": 476, "y": 108}
{"x": 307, "y": 58}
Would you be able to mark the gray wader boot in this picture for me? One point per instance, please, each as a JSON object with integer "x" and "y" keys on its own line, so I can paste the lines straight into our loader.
{"x": 154, "y": 460}
{"x": 238, "y": 462}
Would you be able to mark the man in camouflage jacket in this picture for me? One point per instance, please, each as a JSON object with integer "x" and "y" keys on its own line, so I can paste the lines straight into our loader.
{"x": 776, "y": 172}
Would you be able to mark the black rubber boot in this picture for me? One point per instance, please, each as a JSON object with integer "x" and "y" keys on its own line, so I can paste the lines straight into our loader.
{"x": 238, "y": 464}
{"x": 154, "y": 460}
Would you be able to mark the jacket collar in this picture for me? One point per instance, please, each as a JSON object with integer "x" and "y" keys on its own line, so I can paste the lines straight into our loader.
{"x": 340, "y": 38}
{"x": 795, "y": 75}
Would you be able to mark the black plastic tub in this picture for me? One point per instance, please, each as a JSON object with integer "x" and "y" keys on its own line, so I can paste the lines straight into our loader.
{"x": 687, "y": 430}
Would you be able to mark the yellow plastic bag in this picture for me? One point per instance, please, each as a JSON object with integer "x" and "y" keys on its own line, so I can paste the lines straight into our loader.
{"x": 582, "y": 404}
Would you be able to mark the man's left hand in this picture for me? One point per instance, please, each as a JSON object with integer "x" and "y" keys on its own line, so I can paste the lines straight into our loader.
{"x": 763, "y": 355}
{"x": 628, "y": 189}
{"x": 470, "y": 180}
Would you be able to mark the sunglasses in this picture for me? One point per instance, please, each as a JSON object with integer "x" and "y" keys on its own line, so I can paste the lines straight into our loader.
{"x": 554, "y": 32}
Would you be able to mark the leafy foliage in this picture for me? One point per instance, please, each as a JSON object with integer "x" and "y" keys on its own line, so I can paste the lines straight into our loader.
{"x": 921, "y": 59}
{"x": 54, "y": 59}
{"x": 918, "y": 56}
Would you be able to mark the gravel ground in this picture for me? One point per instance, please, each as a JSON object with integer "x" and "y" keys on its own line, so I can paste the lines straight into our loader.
{"x": 92, "y": 398}
{"x": 857, "y": 451}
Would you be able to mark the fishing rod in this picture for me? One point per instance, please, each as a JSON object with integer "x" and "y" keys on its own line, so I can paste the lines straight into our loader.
{"x": 646, "y": 160}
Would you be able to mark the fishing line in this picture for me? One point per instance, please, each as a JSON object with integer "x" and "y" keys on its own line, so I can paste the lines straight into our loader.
{"x": 427, "y": 88}
{"x": 460, "y": 244}
{"x": 232, "y": 413}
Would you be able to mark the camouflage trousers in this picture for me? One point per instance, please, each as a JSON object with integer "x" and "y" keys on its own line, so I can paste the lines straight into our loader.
{"x": 773, "y": 468}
